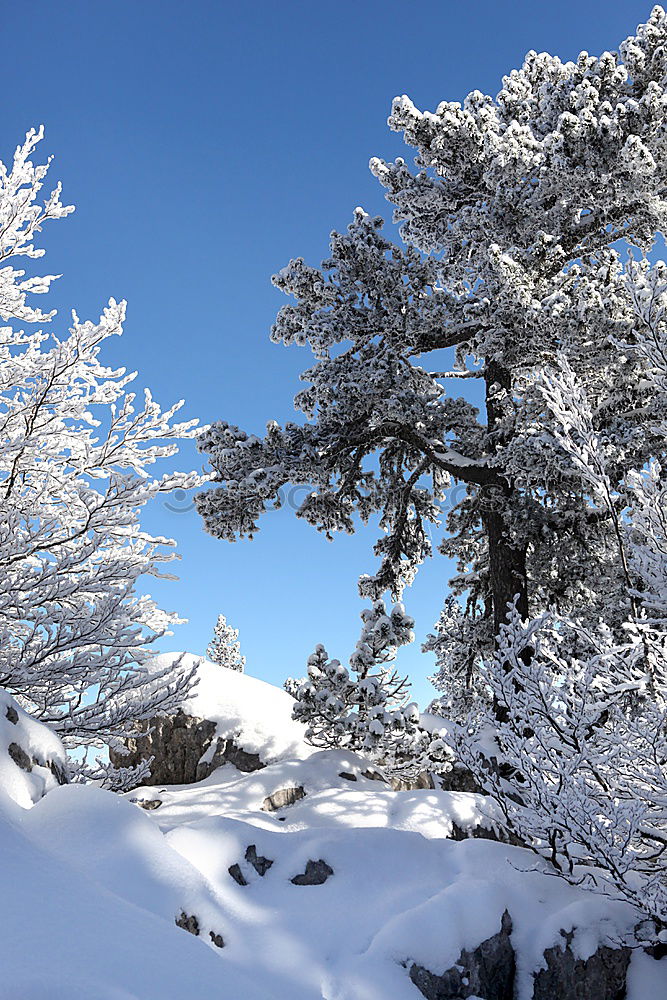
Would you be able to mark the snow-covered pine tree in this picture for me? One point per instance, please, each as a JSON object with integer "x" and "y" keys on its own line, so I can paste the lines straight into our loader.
{"x": 581, "y": 741}
{"x": 75, "y": 452}
{"x": 366, "y": 708}
{"x": 224, "y": 648}
{"x": 511, "y": 228}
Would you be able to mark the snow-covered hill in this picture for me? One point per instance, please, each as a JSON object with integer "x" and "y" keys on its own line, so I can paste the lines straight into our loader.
{"x": 304, "y": 880}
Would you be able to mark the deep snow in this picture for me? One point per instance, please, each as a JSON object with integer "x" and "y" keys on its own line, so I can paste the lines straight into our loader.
{"x": 93, "y": 883}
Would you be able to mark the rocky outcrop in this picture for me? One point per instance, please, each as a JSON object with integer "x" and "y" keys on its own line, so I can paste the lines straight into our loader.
{"x": 600, "y": 977}
{"x": 34, "y": 749}
{"x": 188, "y": 922}
{"x": 316, "y": 873}
{"x": 183, "y": 750}
{"x": 282, "y": 798}
{"x": 489, "y": 971}
{"x": 236, "y": 873}
{"x": 259, "y": 863}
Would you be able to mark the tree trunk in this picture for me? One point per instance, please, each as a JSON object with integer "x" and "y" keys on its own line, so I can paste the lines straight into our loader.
{"x": 507, "y": 560}
{"x": 507, "y": 569}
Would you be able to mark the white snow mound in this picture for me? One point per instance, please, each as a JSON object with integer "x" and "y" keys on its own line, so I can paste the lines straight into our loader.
{"x": 256, "y": 715}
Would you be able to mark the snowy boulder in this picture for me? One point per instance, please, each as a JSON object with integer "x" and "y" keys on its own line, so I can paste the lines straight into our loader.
{"x": 601, "y": 976}
{"x": 227, "y": 718}
{"x": 32, "y": 758}
{"x": 487, "y": 971}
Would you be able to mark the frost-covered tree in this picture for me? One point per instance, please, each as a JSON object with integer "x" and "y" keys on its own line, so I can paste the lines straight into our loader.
{"x": 511, "y": 260}
{"x": 454, "y": 642}
{"x": 581, "y": 741}
{"x": 76, "y": 446}
{"x": 224, "y": 648}
{"x": 366, "y": 708}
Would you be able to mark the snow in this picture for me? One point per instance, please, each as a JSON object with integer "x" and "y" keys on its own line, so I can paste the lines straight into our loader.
{"x": 88, "y": 875}
{"x": 38, "y": 742}
{"x": 256, "y": 715}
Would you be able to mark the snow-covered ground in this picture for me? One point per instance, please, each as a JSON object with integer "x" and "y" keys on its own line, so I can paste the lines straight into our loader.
{"x": 93, "y": 883}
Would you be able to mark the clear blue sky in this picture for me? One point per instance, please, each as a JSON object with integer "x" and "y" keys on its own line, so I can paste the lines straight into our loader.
{"x": 204, "y": 144}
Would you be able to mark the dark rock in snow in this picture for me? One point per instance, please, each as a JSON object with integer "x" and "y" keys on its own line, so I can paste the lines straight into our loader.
{"x": 178, "y": 743}
{"x": 459, "y": 779}
{"x": 316, "y": 873}
{"x": 217, "y": 939}
{"x": 57, "y": 770}
{"x": 19, "y": 756}
{"x": 12, "y": 715}
{"x": 260, "y": 864}
{"x": 237, "y": 874}
{"x": 600, "y": 977}
{"x": 188, "y": 923}
{"x": 282, "y": 798}
{"x": 148, "y": 804}
{"x": 488, "y": 971}
{"x": 347, "y": 776}
{"x": 422, "y": 781}
{"x": 374, "y": 775}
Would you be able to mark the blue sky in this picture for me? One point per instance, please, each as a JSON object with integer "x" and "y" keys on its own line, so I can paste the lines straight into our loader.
{"x": 204, "y": 144}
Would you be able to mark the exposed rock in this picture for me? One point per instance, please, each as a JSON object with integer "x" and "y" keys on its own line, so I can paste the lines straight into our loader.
{"x": 316, "y": 873}
{"x": 488, "y": 971}
{"x": 347, "y": 775}
{"x": 188, "y": 923}
{"x": 260, "y": 864}
{"x": 19, "y": 756}
{"x": 237, "y": 874}
{"x": 374, "y": 775}
{"x": 423, "y": 780}
{"x": 283, "y": 797}
{"x": 57, "y": 770}
{"x": 600, "y": 977}
{"x": 32, "y": 747}
{"x": 216, "y": 939}
{"x": 459, "y": 779}
{"x": 148, "y": 804}
{"x": 181, "y": 746}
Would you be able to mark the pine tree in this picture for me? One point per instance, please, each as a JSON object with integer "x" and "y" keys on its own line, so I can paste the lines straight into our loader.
{"x": 511, "y": 260}
{"x": 366, "y": 708}
{"x": 224, "y": 649}
{"x": 581, "y": 740}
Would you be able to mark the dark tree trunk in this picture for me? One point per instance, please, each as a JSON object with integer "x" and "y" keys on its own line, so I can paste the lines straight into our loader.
{"x": 507, "y": 559}
{"x": 507, "y": 569}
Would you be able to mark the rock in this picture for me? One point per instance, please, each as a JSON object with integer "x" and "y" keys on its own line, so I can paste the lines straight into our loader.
{"x": 188, "y": 923}
{"x": 488, "y": 971}
{"x": 216, "y": 939}
{"x": 600, "y": 977}
{"x": 347, "y": 776}
{"x": 282, "y": 798}
{"x": 181, "y": 746}
{"x": 148, "y": 804}
{"x": 374, "y": 775}
{"x": 260, "y": 864}
{"x": 423, "y": 780}
{"x": 19, "y": 756}
{"x": 459, "y": 779}
{"x": 237, "y": 874}
{"x": 57, "y": 769}
{"x": 32, "y": 751}
{"x": 316, "y": 873}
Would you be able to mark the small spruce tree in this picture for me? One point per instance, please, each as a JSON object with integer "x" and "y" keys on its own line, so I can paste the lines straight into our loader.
{"x": 224, "y": 648}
